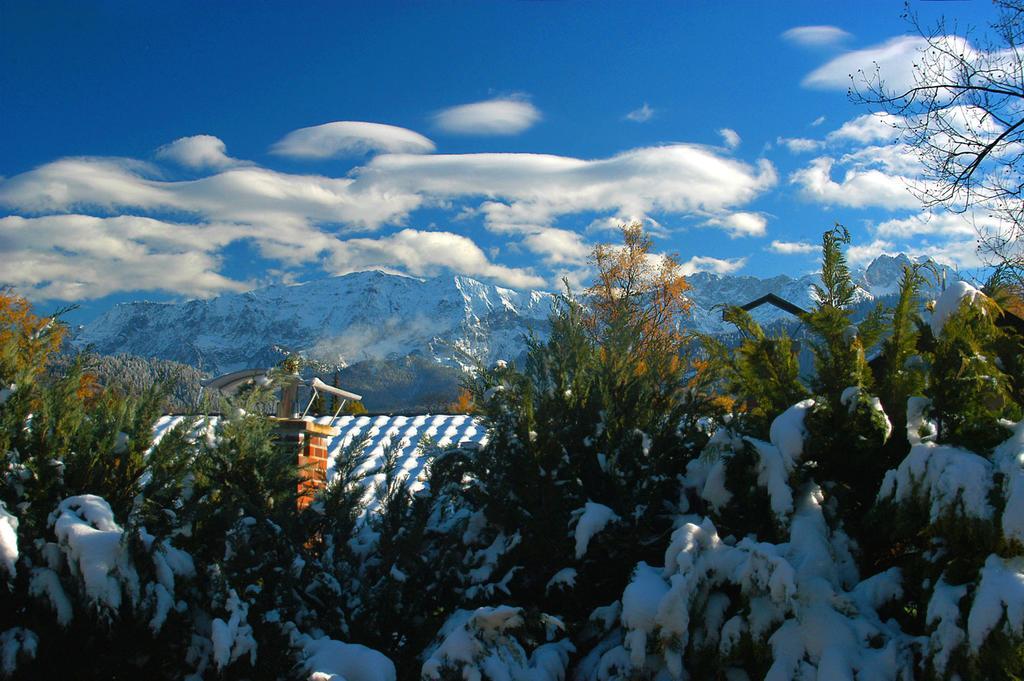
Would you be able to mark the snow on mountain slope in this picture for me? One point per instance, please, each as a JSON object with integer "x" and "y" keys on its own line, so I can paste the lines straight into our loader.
{"x": 374, "y": 315}
{"x": 880, "y": 279}
{"x": 340, "y": 320}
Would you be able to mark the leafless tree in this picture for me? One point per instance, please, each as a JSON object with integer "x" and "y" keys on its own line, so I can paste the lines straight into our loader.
{"x": 963, "y": 117}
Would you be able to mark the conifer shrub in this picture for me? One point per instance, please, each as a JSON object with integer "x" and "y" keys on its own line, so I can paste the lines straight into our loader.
{"x": 587, "y": 443}
{"x": 187, "y": 557}
{"x": 648, "y": 505}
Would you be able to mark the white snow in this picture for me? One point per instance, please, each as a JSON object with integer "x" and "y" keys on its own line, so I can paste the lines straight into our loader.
{"x": 707, "y": 472}
{"x": 640, "y": 602}
{"x": 1000, "y": 593}
{"x": 595, "y": 517}
{"x": 854, "y": 396}
{"x": 8, "y": 541}
{"x": 15, "y": 643}
{"x": 919, "y": 427}
{"x": 566, "y": 578}
{"x": 46, "y": 582}
{"x": 950, "y": 301}
{"x": 332, "y": 660}
{"x": 410, "y": 431}
{"x": 91, "y": 540}
{"x": 482, "y": 643}
{"x": 948, "y": 478}
{"x": 788, "y": 431}
{"x": 804, "y": 603}
{"x": 1009, "y": 460}
{"x": 944, "y": 615}
{"x": 379, "y": 432}
{"x": 232, "y": 638}
{"x": 773, "y": 474}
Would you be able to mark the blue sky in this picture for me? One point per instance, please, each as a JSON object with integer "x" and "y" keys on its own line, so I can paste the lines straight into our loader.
{"x": 167, "y": 152}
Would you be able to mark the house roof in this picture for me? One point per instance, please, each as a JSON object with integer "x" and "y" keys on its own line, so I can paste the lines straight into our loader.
{"x": 379, "y": 431}
{"x": 772, "y": 299}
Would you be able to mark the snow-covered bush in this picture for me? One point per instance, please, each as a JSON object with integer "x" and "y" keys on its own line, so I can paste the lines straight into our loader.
{"x": 787, "y": 610}
{"x": 499, "y": 643}
{"x": 641, "y": 511}
{"x": 121, "y": 558}
{"x": 951, "y": 511}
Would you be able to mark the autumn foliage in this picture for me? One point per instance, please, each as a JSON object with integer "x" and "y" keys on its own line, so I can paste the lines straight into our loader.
{"x": 28, "y": 339}
{"x": 636, "y": 308}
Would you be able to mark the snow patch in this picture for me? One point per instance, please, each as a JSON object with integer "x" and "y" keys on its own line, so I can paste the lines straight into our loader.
{"x": 232, "y": 638}
{"x": 947, "y": 478}
{"x": 482, "y": 642}
{"x": 1000, "y": 593}
{"x": 788, "y": 431}
{"x": 91, "y": 540}
{"x": 1009, "y": 460}
{"x": 328, "y": 659}
{"x": 566, "y": 578}
{"x": 944, "y": 615}
{"x": 8, "y": 541}
{"x": 16, "y": 643}
{"x": 802, "y": 600}
{"x": 950, "y": 301}
{"x": 595, "y": 517}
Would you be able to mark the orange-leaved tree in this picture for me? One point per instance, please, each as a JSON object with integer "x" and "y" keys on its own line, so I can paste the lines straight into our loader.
{"x": 635, "y": 311}
{"x": 28, "y": 340}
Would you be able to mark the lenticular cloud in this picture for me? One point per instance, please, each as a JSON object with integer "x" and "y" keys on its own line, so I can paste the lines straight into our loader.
{"x": 351, "y": 138}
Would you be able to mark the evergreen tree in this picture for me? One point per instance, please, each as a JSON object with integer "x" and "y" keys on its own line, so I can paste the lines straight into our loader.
{"x": 763, "y": 370}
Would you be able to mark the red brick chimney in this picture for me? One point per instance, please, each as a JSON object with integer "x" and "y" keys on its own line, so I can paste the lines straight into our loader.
{"x": 309, "y": 441}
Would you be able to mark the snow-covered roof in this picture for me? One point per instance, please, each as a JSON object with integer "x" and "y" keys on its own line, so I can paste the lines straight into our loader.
{"x": 380, "y": 431}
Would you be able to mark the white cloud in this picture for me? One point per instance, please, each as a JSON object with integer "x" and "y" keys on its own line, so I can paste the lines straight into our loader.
{"x": 955, "y": 252}
{"x": 940, "y": 223}
{"x": 862, "y": 254}
{"x": 817, "y": 121}
{"x": 961, "y": 254}
{"x": 351, "y": 138}
{"x": 558, "y": 246}
{"x": 641, "y": 115}
{"x": 701, "y": 263}
{"x": 248, "y": 194}
{"x": 678, "y": 178}
{"x": 425, "y": 254}
{"x": 858, "y": 188}
{"x": 730, "y": 137}
{"x": 815, "y": 36}
{"x": 295, "y": 219}
{"x": 740, "y": 224}
{"x": 579, "y": 278}
{"x": 894, "y": 60}
{"x": 896, "y": 159}
{"x": 74, "y": 257}
{"x": 502, "y": 116}
{"x": 880, "y": 127}
{"x": 198, "y": 152}
{"x": 536, "y": 188}
{"x": 614, "y": 224}
{"x": 793, "y": 247}
{"x": 800, "y": 145}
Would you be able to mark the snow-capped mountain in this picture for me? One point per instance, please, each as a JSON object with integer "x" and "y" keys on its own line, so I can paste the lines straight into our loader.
{"x": 374, "y": 315}
{"x": 340, "y": 320}
{"x": 881, "y": 278}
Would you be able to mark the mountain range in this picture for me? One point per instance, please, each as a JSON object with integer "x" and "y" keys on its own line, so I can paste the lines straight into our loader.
{"x": 367, "y": 322}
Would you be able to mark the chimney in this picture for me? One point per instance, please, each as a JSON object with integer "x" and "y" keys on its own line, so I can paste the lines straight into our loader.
{"x": 308, "y": 440}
